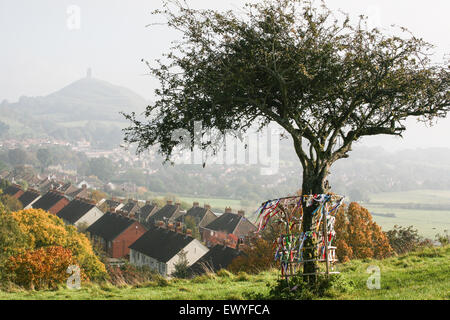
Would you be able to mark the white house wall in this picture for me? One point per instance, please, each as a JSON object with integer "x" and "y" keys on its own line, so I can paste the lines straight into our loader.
{"x": 90, "y": 217}
{"x": 140, "y": 260}
{"x": 194, "y": 251}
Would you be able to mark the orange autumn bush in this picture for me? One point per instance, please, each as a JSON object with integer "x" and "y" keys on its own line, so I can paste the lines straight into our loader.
{"x": 42, "y": 268}
{"x": 358, "y": 236}
{"x": 42, "y": 230}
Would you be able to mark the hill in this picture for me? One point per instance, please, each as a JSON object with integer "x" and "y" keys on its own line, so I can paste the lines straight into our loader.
{"x": 84, "y": 99}
{"x": 421, "y": 275}
{"x": 86, "y": 109}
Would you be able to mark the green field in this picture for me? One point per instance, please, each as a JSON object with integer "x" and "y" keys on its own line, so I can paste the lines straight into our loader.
{"x": 414, "y": 196}
{"x": 420, "y": 275}
{"x": 428, "y": 222}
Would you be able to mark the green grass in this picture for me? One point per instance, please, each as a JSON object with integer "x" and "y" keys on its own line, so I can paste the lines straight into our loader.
{"x": 420, "y": 275}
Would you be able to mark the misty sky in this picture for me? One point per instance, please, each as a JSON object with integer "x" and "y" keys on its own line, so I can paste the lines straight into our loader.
{"x": 42, "y": 50}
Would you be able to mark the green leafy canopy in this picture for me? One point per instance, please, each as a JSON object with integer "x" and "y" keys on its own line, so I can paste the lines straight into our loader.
{"x": 325, "y": 80}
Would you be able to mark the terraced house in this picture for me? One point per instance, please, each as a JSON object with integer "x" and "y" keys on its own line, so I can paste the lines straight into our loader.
{"x": 146, "y": 212}
{"x": 115, "y": 233}
{"x": 229, "y": 229}
{"x": 201, "y": 215}
{"x": 29, "y": 197}
{"x": 14, "y": 191}
{"x": 52, "y": 202}
{"x": 80, "y": 212}
{"x": 218, "y": 257}
{"x": 167, "y": 214}
{"x": 159, "y": 249}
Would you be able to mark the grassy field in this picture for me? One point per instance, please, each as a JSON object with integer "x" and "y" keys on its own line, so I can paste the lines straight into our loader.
{"x": 414, "y": 196}
{"x": 428, "y": 222}
{"x": 420, "y": 275}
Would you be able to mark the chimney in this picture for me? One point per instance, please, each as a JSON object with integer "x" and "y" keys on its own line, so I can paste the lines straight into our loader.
{"x": 227, "y": 210}
{"x": 195, "y": 204}
{"x": 207, "y": 207}
{"x": 170, "y": 202}
{"x": 241, "y": 213}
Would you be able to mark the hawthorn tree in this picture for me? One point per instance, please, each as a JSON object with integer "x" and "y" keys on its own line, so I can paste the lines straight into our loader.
{"x": 325, "y": 80}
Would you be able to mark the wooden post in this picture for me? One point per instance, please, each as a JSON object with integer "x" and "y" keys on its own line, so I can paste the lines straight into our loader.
{"x": 325, "y": 234}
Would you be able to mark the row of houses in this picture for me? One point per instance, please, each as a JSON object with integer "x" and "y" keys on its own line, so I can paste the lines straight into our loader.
{"x": 148, "y": 235}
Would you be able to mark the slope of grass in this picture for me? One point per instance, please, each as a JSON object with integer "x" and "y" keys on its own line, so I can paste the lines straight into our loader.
{"x": 420, "y": 275}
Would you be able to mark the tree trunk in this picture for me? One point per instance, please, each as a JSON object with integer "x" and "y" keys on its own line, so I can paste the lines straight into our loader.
{"x": 313, "y": 183}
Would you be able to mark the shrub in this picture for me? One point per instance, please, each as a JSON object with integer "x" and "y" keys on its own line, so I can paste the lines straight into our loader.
{"x": 12, "y": 240}
{"x": 191, "y": 224}
{"x": 242, "y": 276}
{"x": 404, "y": 239}
{"x": 38, "y": 229}
{"x": 161, "y": 281}
{"x": 257, "y": 257}
{"x": 181, "y": 267}
{"x": 42, "y": 268}
{"x": 358, "y": 236}
{"x": 204, "y": 278}
{"x": 296, "y": 288}
{"x": 11, "y": 203}
{"x": 444, "y": 239}
{"x": 223, "y": 273}
{"x": 128, "y": 274}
